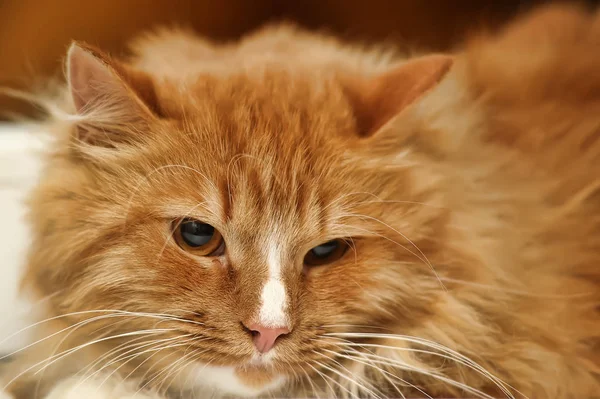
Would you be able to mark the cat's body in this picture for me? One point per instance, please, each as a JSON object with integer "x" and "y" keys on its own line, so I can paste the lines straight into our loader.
{"x": 467, "y": 187}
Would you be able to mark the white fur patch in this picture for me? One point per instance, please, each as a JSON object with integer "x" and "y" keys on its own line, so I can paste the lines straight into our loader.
{"x": 213, "y": 380}
{"x": 272, "y": 309}
{"x": 273, "y": 298}
{"x": 97, "y": 388}
{"x": 261, "y": 359}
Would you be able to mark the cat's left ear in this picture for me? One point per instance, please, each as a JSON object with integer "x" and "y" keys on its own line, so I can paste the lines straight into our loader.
{"x": 113, "y": 99}
{"x": 379, "y": 100}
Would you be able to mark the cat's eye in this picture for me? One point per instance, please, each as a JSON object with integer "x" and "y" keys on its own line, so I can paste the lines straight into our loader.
{"x": 199, "y": 238}
{"x": 326, "y": 253}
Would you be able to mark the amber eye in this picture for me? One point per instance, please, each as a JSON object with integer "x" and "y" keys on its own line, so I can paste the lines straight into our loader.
{"x": 198, "y": 238}
{"x": 326, "y": 253}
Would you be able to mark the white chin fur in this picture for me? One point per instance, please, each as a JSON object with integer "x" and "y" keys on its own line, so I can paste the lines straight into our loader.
{"x": 97, "y": 388}
{"x": 202, "y": 380}
{"x": 216, "y": 380}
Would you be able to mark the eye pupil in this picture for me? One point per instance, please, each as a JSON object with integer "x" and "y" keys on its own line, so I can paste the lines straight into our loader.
{"x": 327, "y": 252}
{"x": 196, "y": 234}
{"x": 198, "y": 238}
{"x": 326, "y": 249}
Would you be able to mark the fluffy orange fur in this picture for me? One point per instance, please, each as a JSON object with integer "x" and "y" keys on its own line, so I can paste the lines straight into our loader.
{"x": 468, "y": 186}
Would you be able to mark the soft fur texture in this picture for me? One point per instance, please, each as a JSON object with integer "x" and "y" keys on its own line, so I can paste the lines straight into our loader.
{"x": 469, "y": 188}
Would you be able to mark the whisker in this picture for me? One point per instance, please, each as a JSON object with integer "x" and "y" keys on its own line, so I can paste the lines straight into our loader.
{"x": 153, "y": 351}
{"x": 46, "y": 321}
{"x": 82, "y": 346}
{"x": 125, "y": 346}
{"x": 74, "y": 328}
{"x": 134, "y": 343}
{"x": 156, "y": 345}
{"x": 174, "y": 365}
{"x": 383, "y": 372}
{"x": 165, "y": 370}
{"x": 356, "y": 383}
{"x": 378, "y": 200}
{"x": 366, "y": 326}
{"x": 453, "y": 355}
{"x": 309, "y": 379}
{"x": 112, "y": 313}
{"x": 483, "y": 395}
{"x": 421, "y": 255}
{"x": 193, "y": 357}
{"x": 412, "y": 350}
{"x": 69, "y": 352}
{"x": 325, "y": 377}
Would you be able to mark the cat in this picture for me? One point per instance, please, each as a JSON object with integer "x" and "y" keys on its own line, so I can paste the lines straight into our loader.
{"x": 294, "y": 216}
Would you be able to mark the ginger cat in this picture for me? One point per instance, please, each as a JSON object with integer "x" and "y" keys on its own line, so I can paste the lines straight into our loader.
{"x": 292, "y": 216}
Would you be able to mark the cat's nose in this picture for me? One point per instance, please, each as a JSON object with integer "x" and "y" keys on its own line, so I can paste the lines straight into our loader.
{"x": 265, "y": 337}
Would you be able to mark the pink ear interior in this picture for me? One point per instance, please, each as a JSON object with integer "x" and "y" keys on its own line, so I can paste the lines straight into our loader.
{"x": 90, "y": 79}
{"x": 380, "y": 99}
{"x": 113, "y": 95}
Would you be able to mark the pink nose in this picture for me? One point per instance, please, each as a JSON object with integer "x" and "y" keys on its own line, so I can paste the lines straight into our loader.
{"x": 265, "y": 337}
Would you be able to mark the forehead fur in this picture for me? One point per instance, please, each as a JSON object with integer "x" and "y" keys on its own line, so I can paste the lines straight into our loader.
{"x": 278, "y": 115}
{"x": 279, "y": 139}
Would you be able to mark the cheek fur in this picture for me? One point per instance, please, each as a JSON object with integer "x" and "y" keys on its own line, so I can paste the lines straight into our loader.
{"x": 377, "y": 286}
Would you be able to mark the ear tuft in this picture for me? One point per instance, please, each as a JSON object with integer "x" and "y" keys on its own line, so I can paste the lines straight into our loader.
{"x": 380, "y": 99}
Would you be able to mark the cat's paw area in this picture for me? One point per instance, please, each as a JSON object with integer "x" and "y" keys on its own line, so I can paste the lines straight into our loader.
{"x": 74, "y": 388}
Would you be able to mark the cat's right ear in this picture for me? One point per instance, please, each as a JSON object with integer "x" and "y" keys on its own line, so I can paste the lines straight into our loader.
{"x": 379, "y": 100}
{"x": 113, "y": 102}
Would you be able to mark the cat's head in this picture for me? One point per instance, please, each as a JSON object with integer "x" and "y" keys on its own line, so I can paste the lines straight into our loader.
{"x": 247, "y": 219}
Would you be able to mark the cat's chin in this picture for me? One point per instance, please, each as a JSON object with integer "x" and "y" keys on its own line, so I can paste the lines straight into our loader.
{"x": 246, "y": 382}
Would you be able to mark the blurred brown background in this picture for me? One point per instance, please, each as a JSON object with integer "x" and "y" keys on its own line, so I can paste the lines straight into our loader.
{"x": 34, "y": 34}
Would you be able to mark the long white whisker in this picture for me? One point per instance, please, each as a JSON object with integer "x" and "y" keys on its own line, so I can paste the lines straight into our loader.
{"x": 314, "y": 389}
{"x": 153, "y": 350}
{"x": 46, "y": 321}
{"x": 366, "y": 326}
{"x": 87, "y": 344}
{"x": 68, "y": 352}
{"x": 112, "y": 313}
{"x": 412, "y": 350}
{"x": 155, "y": 344}
{"x": 356, "y": 383}
{"x": 134, "y": 343}
{"x": 454, "y": 355}
{"x": 165, "y": 370}
{"x": 385, "y": 373}
{"x": 421, "y": 255}
{"x": 325, "y": 377}
{"x": 390, "y": 362}
{"x": 193, "y": 356}
{"x": 378, "y": 200}
{"x": 180, "y": 362}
